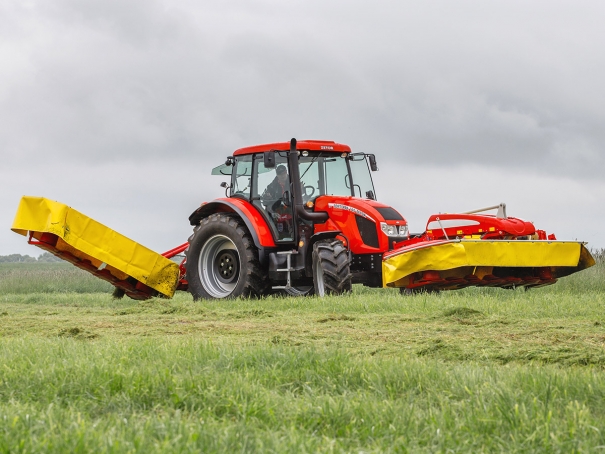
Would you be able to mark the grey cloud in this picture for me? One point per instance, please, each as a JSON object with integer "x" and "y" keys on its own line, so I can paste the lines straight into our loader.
{"x": 144, "y": 80}
{"x": 174, "y": 87}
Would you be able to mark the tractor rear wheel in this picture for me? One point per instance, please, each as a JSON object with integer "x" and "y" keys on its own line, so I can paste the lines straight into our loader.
{"x": 331, "y": 268}
{"x": 222, "y": 261}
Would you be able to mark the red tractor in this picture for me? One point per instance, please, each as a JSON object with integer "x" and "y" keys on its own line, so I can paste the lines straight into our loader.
{"x": 303, "y": 217}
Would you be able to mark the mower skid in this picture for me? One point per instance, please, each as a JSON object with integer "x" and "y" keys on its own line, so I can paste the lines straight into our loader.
{"x": 455, "y": 264}
{"x": 72, "y": 236}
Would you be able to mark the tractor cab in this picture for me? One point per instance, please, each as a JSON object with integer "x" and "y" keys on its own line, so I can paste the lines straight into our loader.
{"x": 272, "y": 178}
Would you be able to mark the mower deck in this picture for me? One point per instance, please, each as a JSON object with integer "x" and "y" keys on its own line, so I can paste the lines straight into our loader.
{"x": 70, "y": 235}
{"x": 455, "y": 264}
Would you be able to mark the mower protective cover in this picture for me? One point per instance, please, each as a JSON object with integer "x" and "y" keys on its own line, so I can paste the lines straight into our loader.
{"x": 459, "y": 259}
{"x": 88, "y": 244}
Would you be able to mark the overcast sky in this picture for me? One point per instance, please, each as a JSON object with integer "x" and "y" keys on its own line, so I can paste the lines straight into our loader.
{"x": 121, "y": 108}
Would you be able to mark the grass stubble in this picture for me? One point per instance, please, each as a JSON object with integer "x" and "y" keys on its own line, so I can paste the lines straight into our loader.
{"x": 478, "y": 370}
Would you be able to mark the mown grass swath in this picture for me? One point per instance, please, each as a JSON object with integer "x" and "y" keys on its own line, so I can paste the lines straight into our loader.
{"x": 478, "y": 370}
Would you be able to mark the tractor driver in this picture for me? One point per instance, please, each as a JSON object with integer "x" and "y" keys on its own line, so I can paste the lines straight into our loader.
{"x": 279, "y": 185}
{"x": 273, "y": 197}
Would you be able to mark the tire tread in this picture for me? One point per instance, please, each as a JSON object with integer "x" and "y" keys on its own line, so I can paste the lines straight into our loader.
{"x": 256, "y": 280}
{"x": 335, "y": 262}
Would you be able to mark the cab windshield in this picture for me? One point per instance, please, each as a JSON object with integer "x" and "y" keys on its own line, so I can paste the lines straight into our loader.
{"x": 332, "y": 174}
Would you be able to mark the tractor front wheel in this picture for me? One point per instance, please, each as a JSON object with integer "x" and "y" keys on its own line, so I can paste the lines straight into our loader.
{"x": 331, "y": 268}
{"x": 222, "y": 261}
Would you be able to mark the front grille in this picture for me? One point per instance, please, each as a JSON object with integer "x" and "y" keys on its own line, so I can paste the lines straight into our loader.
{"x": 367, "y": 230}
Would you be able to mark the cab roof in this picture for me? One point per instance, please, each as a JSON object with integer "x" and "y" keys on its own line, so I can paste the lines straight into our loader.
{"x": 310, "y": 145}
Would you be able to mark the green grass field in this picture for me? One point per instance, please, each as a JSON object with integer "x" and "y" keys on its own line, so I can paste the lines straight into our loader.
{"x": 478, "y": 370}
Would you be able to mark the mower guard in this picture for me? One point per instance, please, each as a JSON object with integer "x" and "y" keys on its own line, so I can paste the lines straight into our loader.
{"x": 88, "y": 244}
{"x": 457, "y": 261}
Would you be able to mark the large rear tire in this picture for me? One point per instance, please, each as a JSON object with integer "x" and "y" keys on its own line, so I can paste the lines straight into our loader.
{"x": 222, "y": 260}
{"x": 331, "y": 268}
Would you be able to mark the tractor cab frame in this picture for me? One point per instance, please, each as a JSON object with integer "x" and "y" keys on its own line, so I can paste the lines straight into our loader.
{"x": 306, "y": 173}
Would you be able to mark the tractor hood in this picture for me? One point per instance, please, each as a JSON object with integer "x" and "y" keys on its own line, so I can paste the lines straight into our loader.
{"x": 369, "y": 226}
{"x": 370, "y": 209}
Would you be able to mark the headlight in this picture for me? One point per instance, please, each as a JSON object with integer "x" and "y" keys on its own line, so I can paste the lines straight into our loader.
{"x": 403, "y": 231}
{"x": 394, "y": 230}
{"x": 390, "y": 230}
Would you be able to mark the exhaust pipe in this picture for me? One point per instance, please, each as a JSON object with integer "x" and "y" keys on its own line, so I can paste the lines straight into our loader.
{"x": 319, "y": 217}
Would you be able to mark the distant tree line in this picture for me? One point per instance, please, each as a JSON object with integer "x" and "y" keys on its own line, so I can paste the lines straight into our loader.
{"x": 45, "y": 257}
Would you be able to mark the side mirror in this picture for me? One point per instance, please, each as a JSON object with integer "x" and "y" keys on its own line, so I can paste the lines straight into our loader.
{"x": 373, "y": 165}
{"x": 227, "y": 187}
{"x": 269, "y": 159}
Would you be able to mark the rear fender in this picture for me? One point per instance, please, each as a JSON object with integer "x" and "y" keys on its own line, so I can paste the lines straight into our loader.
{"x": 257, "y": 226}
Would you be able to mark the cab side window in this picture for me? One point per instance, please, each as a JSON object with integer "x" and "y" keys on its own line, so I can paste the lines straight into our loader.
{"x": 362, "y": 180}
{"x": 337, "y": 177}
{"x": 265, "y": 177}
{"x": 272, "y": 197}
{"x": 242, "y": 177}
{"x": 309, "y": 177}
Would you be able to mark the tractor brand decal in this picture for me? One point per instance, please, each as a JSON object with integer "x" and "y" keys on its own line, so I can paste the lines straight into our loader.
{"x": 351, "y": 209}
{"x": 326, "y": 147}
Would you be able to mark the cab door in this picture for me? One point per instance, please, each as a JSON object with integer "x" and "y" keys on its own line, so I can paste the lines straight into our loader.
{"x": 273, "y": 198}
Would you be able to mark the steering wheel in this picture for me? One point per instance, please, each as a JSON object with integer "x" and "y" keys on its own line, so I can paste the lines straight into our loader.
{"x": 306, "y": 194}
